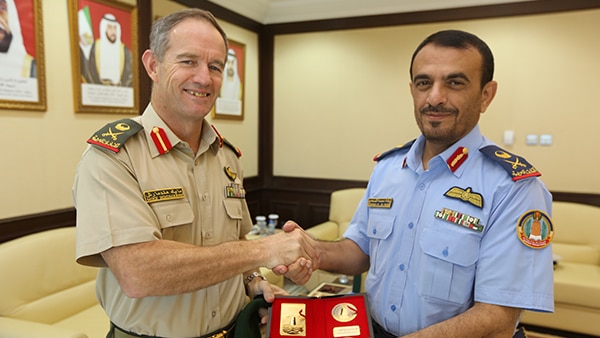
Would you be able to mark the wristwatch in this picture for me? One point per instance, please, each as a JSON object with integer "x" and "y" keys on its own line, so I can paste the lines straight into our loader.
{"x": 251, "y": 276}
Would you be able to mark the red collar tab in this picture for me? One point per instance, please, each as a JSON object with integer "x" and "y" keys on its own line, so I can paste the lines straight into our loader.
{"x": 459, "y": 156}
{"x": 161, "y": 141}
{"x": 218, "y": 135}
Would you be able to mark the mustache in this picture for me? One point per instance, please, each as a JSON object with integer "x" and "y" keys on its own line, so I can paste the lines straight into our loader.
{"x": 437, "y": 109}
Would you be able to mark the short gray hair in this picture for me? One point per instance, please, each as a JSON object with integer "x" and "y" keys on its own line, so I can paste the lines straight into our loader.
{"x": 161, "y": 28}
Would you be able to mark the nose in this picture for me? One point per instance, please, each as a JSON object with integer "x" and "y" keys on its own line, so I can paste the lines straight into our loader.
{"x": 202, "y": 76}
{"x": 437, "y": 95}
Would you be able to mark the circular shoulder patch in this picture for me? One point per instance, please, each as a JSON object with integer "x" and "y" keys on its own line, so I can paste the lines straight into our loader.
{"x": 535, "y": 229}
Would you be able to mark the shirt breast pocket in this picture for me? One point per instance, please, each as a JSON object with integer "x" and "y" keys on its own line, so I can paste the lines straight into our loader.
{"x": 379, "y": 229}
{"x": 447, "y": 269}
{"x": 175, "y": 218}
{"x": 233, "y": 221}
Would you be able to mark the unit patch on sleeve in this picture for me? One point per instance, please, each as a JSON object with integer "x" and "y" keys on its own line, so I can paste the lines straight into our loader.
{"x": 113, "y": 135}
{"x": 517, "y": 167}
{"x": 535, "y": 229}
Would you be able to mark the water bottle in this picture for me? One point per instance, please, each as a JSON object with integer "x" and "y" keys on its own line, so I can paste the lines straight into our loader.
{"x": 261, "y": 221}
{"x": 273, "y": 219}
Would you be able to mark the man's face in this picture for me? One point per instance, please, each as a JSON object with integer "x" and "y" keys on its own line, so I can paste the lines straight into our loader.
{"x": 447, "y": 94}
{"x": 4, "y": 28}
{"x": 188, "y": 80}
{"x": 111, "y": 32}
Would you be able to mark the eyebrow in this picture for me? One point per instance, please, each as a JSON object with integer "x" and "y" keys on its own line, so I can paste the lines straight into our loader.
{"x": 458, "y": 75}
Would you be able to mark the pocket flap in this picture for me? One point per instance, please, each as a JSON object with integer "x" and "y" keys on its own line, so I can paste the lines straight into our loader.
{"x": 380, "y": 227}
{"x": 457, "y": 248}
{"x": 173, "y": 213}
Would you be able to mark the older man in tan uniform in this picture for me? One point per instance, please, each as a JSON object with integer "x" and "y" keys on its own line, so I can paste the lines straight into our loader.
{"x": 161, "y": 204}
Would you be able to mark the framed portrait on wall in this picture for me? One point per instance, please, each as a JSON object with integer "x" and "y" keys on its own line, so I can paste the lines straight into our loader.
{"x": 22, "y": 73}
{"x": 230, "y": 103}
{"x": 104, "y": 56}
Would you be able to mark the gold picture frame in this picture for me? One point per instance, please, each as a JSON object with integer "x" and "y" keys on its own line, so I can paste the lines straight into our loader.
{"x": 230, "y": 103}
{"x": 22, "y": 68}
{"x": 104, "y": 50}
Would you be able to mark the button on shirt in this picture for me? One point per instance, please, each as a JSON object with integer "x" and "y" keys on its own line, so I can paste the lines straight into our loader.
{"x": 111, "y": 211}
{"x": 425, "y": 270}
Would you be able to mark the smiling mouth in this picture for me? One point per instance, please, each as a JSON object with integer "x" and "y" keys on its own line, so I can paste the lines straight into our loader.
{"x": 197, "y": 94}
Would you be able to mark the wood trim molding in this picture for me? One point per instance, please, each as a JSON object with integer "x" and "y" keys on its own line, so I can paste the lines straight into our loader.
{"x": 16, "y": 227}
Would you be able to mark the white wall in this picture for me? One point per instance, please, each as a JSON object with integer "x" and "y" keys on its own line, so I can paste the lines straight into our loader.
{"x": 343, "y": 96}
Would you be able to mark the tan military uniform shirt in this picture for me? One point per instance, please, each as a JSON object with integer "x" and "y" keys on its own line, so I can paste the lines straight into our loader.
{"x": 138, "y": 195}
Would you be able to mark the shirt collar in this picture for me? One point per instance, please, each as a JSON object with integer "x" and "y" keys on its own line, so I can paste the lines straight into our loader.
{"x": 472, "y": 141}
{"x": 150, "y": 119}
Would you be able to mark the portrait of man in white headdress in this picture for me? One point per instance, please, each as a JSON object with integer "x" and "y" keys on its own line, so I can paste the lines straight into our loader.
{"x": 15, "y": 62}
{"x": 231, "y": 88}
{"x": 230, "y": 98}
{"x": 110, "y": 61}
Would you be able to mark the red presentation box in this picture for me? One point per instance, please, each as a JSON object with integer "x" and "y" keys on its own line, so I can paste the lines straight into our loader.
{"x": 323, "y": 317}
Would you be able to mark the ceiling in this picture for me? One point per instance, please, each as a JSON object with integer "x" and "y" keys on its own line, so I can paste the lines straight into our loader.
{"x": 284, "y": 11}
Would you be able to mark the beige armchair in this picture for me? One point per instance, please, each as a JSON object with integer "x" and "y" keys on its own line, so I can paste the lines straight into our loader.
{"x": 44, "y": 293}
{"x": 341, "y": 210}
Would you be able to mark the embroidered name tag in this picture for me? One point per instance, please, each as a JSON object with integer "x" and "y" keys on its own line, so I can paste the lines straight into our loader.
{"x": 458, "y": 218}
{"x": 168, "y": 194}
{"x": 380, "y": 203}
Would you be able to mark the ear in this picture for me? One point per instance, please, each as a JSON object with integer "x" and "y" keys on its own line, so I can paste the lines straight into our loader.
{"x": 150, "y": 64}
{"x": 487, "y": 95}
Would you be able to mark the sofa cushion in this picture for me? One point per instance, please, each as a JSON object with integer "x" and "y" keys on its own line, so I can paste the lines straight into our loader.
{"x": 577, "y": 284}
{"x": 93, "y": 321}
{"x": 343, "y": 205}
{"x": 577, "y": 253}
{"x": 47, "y": 256}
{"x": 326, "y": 231}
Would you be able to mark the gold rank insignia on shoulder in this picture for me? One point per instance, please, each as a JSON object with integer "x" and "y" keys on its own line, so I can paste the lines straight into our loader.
{"x": 465, "y": 195}
{"x": 385, "y": 203}
{"x": 516, "y": 166}
{"x": 167, "y": 194}
{"x": 535, "y": 229}
{"x": 113, "y": 135}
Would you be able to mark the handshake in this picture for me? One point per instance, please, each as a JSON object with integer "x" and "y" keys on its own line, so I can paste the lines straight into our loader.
{"x": 296, "y": 255}
{"x": 293, "y": 253}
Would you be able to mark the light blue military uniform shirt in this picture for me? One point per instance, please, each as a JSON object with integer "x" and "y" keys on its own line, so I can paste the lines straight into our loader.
{"x": 451, "y": 235}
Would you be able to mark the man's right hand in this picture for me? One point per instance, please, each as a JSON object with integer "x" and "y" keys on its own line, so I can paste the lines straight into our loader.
{"x": 289, "y": 246}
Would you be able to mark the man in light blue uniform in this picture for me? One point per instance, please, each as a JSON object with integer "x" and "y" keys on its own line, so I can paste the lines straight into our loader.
{"x": 454, "y": 231}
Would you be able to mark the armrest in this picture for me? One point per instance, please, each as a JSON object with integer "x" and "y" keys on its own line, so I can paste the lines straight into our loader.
{"x": 18, "y": 328}
{"x": 327, "y": 231}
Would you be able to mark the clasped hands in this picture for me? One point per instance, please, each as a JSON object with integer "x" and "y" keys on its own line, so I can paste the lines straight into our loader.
{"x": 300, "y": 268}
